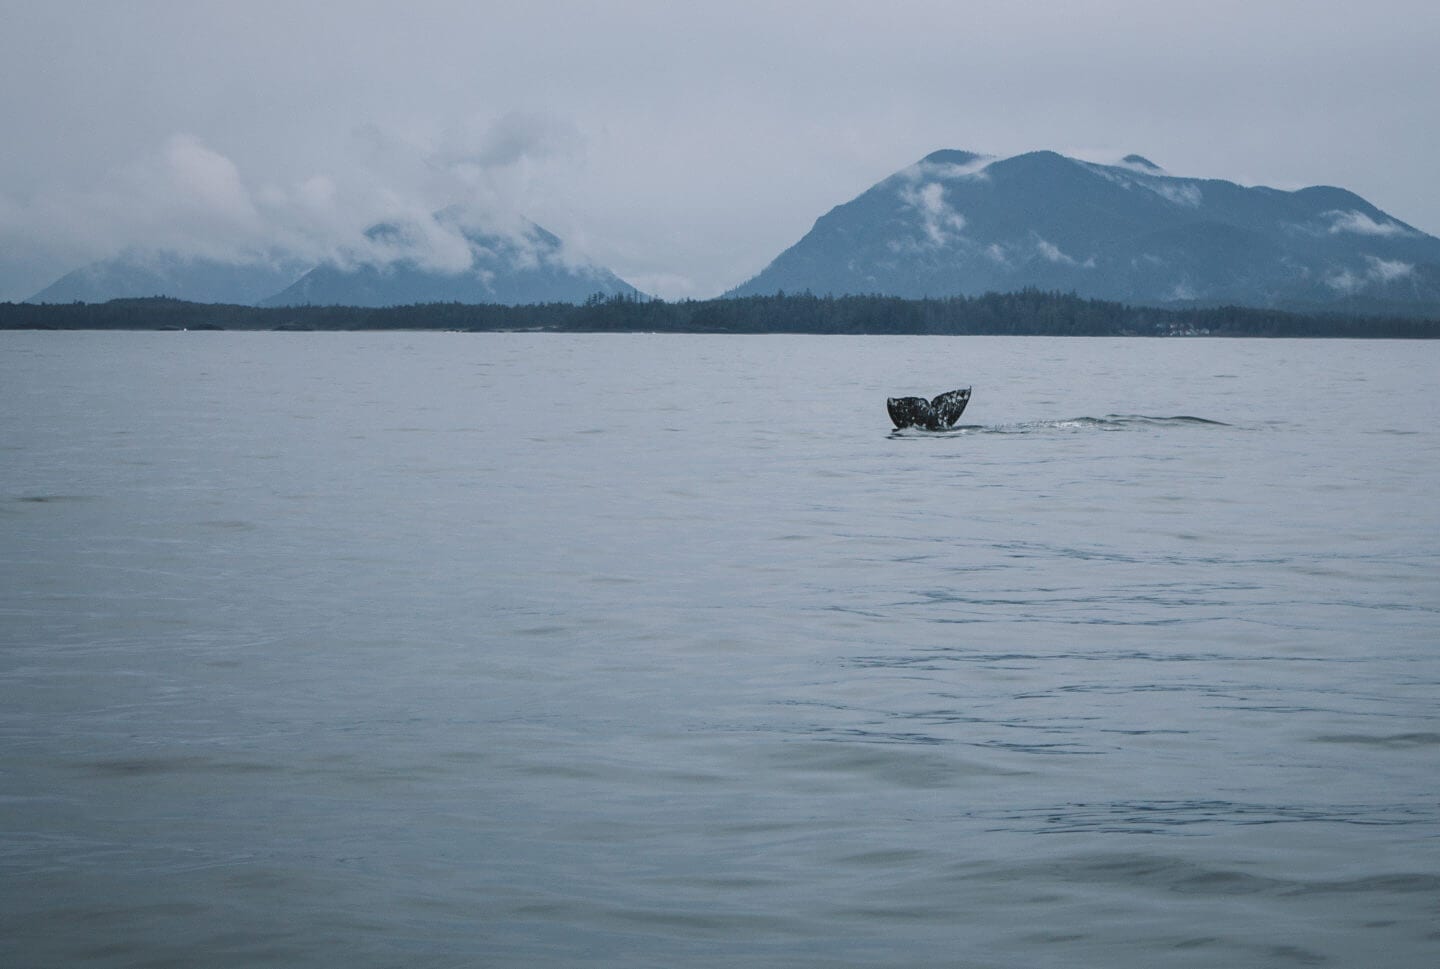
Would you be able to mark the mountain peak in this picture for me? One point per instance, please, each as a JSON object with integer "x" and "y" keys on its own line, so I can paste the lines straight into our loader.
{"x": 952, "y": 156}
{"x": 1037, "y": 161}
{"x": 1142, "y": 163}
{"x": 1044, "y": 154}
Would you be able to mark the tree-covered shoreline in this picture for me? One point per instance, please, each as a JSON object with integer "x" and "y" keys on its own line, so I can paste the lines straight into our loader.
{"x": 1028, "y": 312}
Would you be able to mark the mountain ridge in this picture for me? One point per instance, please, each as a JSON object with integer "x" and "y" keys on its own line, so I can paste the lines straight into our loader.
{"x": 137, "y": 274}
{"x": 961, "y": 223}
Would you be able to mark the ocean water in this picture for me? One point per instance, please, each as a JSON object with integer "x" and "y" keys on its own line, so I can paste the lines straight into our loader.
{"x": 533, "y": 650}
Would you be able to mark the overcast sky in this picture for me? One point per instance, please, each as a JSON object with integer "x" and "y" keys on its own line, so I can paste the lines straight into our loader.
{"x": 682, "y": 145}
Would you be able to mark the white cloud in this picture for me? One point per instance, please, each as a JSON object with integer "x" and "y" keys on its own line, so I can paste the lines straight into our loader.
{"x": 1388, "y": 270}
{"x": 1361, "y": 224}
{"x": 422, "y": 238}
{"x": 1376, "y": 271}
{"x": 945, "y": 171}
{"x": 1187, "y": 194}
{"x": 1052, "y": 252}
{"x": 942, "y": 224}
{"x": 1135, "y": 164}
{"x": 1344, "y": 281}
{"x": 206, "y": 180}
{"x": 1129, "y": 174}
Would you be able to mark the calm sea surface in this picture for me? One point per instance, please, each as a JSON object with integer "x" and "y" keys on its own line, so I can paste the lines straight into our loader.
{"x": 532, "y": 650}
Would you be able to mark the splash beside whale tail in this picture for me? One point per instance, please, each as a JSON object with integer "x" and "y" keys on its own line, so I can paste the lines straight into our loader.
{"x": 933, "y": 415}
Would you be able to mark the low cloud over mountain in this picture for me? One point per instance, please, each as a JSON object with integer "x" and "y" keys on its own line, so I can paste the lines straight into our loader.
{"x": 184, "y": 221}
{"x": 441, "y": 258}
{"x": 447, "y": 260}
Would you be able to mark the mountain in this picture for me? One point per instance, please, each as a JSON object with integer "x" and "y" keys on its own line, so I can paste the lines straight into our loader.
{"x": 139, "y": 274}
{"x": 528, "y": 265}
{"x": 959, "y": 223}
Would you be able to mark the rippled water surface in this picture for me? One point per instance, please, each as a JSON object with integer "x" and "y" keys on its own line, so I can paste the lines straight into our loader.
{"x": 532, "y": 650}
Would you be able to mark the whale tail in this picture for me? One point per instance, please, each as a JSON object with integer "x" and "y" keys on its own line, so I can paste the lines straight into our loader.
{"x": 933, "y": 415}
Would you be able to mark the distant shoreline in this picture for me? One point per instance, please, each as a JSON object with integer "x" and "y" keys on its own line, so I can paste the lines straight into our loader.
{"x": 1025, "y": 313}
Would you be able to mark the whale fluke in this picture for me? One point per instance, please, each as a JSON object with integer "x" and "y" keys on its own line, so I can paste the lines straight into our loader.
{"x": 933, "y": 415}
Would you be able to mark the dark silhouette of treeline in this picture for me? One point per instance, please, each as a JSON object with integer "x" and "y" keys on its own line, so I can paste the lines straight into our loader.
{"x": 1029, "y": 312}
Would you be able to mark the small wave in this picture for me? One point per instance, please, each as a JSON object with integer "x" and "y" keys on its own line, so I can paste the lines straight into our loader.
{"x": 1110, "y": 422}
{"x": 51, "y": 499}
{"x": 1399, "y": 741}
{"x": 1178, "y": 419}
{"x": 1155, "y": 817}
{"x": 942, "y": 432}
